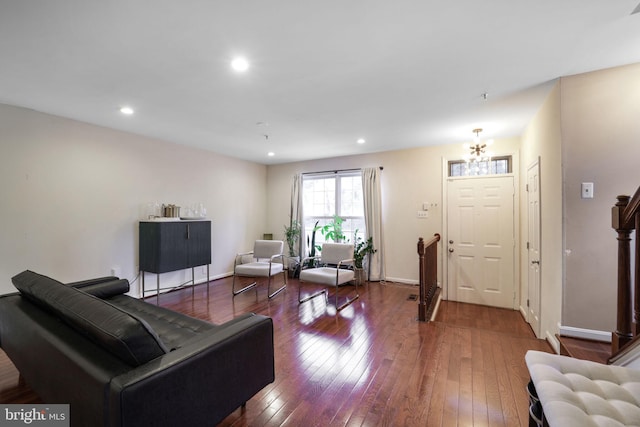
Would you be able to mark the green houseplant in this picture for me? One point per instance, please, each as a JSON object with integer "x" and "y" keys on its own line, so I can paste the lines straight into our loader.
{"x": 333, "y": 230}
{"x": 312, "y": 244}
{"x": 291, "y": 234}
{"x": 361, "y": 248}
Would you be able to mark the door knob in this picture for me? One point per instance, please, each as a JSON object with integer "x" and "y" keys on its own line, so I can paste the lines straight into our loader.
{"x": 535, "y": 262}
{"x": 451, "y": 242}
{"x": 450, "y": 249}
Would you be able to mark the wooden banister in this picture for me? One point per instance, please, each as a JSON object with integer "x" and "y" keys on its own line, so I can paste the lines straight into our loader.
{"x": 631, "y": 210}
{"x": 625, "y": 219}
{"x": 428, "y": 264}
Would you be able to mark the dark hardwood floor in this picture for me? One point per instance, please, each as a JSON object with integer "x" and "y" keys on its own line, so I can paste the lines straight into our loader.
{"x": 372, "y": 364}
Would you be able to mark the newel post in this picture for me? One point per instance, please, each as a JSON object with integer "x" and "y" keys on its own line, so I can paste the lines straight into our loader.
{"x": 623, "y": 334}
{"x": 636, "y": 280}
{"x": 422, "y": 305}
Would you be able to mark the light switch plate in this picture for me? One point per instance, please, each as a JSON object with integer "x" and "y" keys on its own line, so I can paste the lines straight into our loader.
{"x": 587, "y": 190}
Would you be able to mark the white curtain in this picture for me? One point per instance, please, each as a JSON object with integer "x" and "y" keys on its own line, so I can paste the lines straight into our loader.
{"x": 296, "y": 209}
{"x": 373, "y": 220}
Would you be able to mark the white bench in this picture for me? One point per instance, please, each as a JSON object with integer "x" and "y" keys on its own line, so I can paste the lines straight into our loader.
{"x": 582, "y": 393}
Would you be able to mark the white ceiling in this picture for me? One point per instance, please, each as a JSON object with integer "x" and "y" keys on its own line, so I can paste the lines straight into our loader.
{"x": 402, "y": 73}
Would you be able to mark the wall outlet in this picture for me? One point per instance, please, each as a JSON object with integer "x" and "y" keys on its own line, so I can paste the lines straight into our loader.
{"x": 423, "y": 214}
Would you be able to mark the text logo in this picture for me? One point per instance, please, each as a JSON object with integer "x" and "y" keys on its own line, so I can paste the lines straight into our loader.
{"x": 34, "y": 415}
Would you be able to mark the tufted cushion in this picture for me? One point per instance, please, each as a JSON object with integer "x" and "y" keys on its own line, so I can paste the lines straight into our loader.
{"x": 115, "y": 330}
{"x": 174, "y": 329}
{"x": 581, "y": 393}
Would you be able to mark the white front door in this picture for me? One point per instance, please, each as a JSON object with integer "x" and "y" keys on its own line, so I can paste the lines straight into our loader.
{"x": 481, "y": 241}
{"x": 533, "y": 246}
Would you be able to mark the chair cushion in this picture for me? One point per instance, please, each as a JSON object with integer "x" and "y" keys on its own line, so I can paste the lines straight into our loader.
{"x": 267, "y": 248}
{"x": 122, "y": 334}
{"x": 333, "y": 253}
{"x": 258, "y": 269}
{"x": 326, "y": 275}
{"x": 582, "y": 393}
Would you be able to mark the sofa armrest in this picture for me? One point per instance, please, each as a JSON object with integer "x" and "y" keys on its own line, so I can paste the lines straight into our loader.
{"x": 105, "y": 290}
{"x": 89, "y": 282}
{"x": 200, "y": 383}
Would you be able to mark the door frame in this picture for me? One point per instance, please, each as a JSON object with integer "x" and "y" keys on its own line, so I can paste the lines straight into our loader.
{"x": 526, "y": 285}
{"x": 515, "y": 172}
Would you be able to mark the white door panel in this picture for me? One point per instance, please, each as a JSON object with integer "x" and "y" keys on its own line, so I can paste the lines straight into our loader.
{"x": 533, "y": 257}
{"x": 481, "y": 241}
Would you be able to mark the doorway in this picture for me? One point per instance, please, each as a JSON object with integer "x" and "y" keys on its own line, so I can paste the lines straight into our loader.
{"x": 481, "y": 240}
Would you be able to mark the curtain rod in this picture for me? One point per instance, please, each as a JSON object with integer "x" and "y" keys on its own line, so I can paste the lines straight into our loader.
{"x": 336, "y": 171}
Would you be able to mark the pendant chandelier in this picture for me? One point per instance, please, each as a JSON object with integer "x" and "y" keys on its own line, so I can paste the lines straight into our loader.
{"x": 477, "y": 152}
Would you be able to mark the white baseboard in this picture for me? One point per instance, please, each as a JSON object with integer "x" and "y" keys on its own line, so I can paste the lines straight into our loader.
{"x": 587, "y": 334}
{"x": 553, "y": 341}
{"x": 135, "y": 290}
{"x": 402, "y": 280}
{"x": 216, "y": 277}
{"x": 523, "y": 312}
{"x": 435, "y": 310}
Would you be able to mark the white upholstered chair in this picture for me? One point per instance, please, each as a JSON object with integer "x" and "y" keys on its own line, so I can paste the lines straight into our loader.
{"x": 334, "y": 267}
{"x": 266, "y": 260}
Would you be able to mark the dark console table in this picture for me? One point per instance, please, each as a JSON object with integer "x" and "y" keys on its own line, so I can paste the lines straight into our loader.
{"x": 173, "y": 245}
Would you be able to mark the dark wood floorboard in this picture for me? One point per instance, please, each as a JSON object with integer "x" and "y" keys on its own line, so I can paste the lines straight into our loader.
{"x": 373, "y": 364}
{"x": 595, "y": 351}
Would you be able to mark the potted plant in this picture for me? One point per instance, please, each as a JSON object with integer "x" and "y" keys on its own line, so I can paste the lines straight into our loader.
{"x": 333, "y": 230}
{"x": 292, "y": 234}
{"x": 312, "y": 244}
{"x": 361, "y": 248}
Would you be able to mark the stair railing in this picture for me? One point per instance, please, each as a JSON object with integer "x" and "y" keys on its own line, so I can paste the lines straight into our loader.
{"x": 428, "y": 261}
{"x": 625, "y": 219}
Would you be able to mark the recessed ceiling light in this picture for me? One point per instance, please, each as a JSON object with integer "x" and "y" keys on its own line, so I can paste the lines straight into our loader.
{"x": 240, "y": 64}
{"x": 271, "y": 154}
{"x": 361, "y": 141}
{"x": 126, "y": 110}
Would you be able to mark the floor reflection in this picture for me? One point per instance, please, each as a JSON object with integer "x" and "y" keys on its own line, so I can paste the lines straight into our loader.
{"x": 343, "y": 348}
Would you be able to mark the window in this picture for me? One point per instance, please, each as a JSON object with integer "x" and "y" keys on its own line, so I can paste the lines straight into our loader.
{"x": 493, "y": 166}
{"x": 327, "y": 195}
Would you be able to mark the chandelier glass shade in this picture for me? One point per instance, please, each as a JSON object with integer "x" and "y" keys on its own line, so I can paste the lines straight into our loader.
{"x": 477, "y": 151}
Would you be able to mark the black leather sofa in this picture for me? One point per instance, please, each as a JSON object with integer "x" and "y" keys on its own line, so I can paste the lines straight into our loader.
{"x": 119, "y": 361}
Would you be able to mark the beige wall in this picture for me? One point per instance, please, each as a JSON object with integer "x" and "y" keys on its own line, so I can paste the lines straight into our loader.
{"x": 72, "y": 194}
{"x": 410, "y": 178}
{"x": 542, "y": 140}
{"x": 601, "y": 144}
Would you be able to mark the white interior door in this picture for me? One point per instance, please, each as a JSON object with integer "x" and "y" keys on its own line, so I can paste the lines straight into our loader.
{"x": 533, "y": 246}
{"x": 481, "y": 241}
